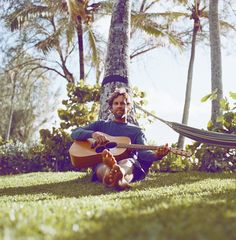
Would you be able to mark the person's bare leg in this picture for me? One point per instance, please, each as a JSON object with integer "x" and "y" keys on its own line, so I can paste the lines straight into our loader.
{"x": 110, "y": 173}
{"x": 128, "y": 169}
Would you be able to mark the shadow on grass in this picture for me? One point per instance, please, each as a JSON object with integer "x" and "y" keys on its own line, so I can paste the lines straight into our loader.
{"x": 208, "y": 217}
{"x": 73, "y": 188}
{"x": 83, "y": 186}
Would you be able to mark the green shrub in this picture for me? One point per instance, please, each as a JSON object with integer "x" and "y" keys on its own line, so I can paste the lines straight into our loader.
{"x": 56, "y": 148}
{"x": 174, "y": 163}
{"x": 213, "y": 158}
{"x": 216, "y": 159}
{"x": 15, "y": 158}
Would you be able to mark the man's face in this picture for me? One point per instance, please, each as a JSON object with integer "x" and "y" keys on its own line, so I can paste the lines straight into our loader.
{"x": 120, "y": 107}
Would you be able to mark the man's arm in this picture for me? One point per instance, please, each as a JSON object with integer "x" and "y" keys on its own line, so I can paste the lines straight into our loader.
{"x": 149, "y": 155}
{"x": 83, "y": 133}
{"x": 89, "y": 131}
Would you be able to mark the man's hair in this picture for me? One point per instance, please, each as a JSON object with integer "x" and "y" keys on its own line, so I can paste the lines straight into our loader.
{"x": 119, "y": 92}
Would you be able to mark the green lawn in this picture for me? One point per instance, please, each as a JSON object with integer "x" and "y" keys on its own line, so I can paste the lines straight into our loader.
{"x": 164, "y": 206}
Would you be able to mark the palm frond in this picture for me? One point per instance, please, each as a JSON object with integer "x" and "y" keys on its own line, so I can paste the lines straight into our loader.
{"x": 144, "y": 23}
{"x": 94, "y": 51}
{"x": 226, "y": 25}
{"x": 48, "y": 43}
{"x": 73, "y": 9}
{"x": 68, "y": 28}
{"x": 92, "y": 43}
{"x": 70, "y": 33}
{"x": 106, "y": 7}
{"x": 182, "y": 1}
{"x": 21, "y": 16}
{"x": 173, "y": 39}
{"x": 169, "y": 15}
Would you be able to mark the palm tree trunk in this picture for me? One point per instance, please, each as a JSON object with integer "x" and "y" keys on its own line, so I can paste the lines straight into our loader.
{"x": 117, "y": 59}
{"x": 188, "y": 87}
{"x": 79, "y": 28}
{"x": 216, "y": 65}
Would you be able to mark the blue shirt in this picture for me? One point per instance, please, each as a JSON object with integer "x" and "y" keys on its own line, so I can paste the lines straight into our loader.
{"x": 113, "y": 128}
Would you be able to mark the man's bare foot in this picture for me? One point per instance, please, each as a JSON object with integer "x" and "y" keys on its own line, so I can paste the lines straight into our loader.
{"x": 108, "y": 159}
{"x": 114, "y": 177}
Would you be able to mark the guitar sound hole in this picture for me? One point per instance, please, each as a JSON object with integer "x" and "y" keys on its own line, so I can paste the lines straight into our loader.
{"x": 100, "y": 149}
{"x": 111, "y": 145}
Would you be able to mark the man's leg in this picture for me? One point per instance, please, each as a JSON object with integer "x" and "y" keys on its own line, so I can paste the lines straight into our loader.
{"x": 128, "y": 168}
{"x": 113, "y": 174}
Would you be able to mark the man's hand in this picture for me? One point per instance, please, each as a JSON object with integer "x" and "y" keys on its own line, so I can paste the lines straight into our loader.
{"x": 162, "y": 151}
{"x": 100, "y": 138}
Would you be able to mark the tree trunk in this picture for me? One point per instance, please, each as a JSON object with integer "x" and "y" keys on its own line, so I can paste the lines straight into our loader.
{"x": 8, "y": 134}
{"x": 216, "y": 67}
{"x": 79, "y": 29}
{"x": 188, "y": 87}
{"x": 117, "y": 59}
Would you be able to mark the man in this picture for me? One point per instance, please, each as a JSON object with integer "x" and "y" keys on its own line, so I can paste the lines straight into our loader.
{"x": 120, "y": 174}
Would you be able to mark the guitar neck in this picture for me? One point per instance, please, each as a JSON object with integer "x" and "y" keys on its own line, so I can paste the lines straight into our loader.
{"x": 136, "y": 146}
{"x": 151, "y": 147}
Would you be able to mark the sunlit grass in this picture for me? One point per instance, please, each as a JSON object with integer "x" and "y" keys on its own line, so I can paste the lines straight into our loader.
{"x": 164, "y": 206}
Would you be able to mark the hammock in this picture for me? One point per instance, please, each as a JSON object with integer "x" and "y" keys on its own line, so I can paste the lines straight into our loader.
{"x": 209, "y": 137}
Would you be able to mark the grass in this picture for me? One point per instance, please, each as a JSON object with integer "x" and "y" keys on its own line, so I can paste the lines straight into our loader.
{"x": 164, "y": 206}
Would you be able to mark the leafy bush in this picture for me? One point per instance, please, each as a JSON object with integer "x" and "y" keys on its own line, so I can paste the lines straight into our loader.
{"x": 16, "y": 157}
{"x": 174, "y": 163}
{"x": 214, "y": 158}
{"x": 56, "y": 148}
{"x": 81, "y": 107}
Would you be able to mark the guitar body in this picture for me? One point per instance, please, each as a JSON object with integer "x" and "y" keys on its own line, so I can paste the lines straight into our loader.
{"x": 84, "y": 156}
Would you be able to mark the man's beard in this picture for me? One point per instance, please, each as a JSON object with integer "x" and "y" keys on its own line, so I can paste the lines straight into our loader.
{"x": 120, "y": 115}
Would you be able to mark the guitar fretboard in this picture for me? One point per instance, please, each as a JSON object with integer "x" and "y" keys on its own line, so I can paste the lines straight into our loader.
{"x": 150, "y": 147}
{"x": 136, "y": 146}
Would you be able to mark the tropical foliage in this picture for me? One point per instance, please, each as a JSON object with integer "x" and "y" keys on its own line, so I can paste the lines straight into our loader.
{"x": 48, "y": 33}
{"x": 212, "y": 158}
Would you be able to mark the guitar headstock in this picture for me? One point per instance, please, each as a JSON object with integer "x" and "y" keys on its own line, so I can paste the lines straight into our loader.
{"x": 181, "y": 152}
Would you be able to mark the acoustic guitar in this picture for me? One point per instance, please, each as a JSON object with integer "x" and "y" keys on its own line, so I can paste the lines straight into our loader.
{"x": 85, "y": 154}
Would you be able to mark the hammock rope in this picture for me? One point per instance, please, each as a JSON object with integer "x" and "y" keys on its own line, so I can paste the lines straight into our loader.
{"x": 199, "y": 135}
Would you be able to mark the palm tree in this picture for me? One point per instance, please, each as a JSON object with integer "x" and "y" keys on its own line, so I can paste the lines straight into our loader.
{"x": 116, "y": 73}
{"x": 81, "y": 12}
{"x": 117, "y": 60}
{"x": 216, "y": 66}
{"x": 50, "y": 22}
{"x": 196, "y": 14}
